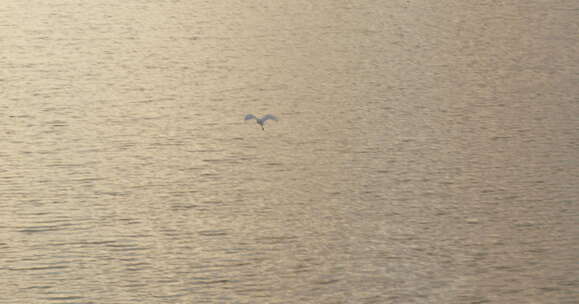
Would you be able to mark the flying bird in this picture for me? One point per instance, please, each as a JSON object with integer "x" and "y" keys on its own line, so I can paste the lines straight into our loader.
{"x": 260, "y": 121}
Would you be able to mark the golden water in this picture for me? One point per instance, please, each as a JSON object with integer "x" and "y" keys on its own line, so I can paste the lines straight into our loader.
{"x": 427, "y": 151}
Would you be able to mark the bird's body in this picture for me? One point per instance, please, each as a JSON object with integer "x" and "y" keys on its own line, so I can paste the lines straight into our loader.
{"x": 260, "y": 121}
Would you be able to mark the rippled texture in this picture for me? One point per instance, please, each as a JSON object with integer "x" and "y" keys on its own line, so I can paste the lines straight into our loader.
{"x": 427, "y": 151}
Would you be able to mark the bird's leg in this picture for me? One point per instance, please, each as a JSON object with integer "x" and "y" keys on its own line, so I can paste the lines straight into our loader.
{"x": 262, "y": 128}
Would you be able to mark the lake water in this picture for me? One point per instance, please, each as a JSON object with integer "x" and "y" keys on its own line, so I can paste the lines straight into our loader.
{"x": 427, "y": 151}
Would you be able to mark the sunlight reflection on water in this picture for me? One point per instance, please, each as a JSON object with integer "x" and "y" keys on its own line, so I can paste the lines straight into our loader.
{"x": 425, "y": 152}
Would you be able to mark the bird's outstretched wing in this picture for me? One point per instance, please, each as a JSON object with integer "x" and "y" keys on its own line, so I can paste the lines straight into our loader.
{"x": 268, "y": 116}
{"x": 250, "y": 116}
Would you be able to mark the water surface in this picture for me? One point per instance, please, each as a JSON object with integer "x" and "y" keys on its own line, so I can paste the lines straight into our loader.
{"x": 426, "y": 152}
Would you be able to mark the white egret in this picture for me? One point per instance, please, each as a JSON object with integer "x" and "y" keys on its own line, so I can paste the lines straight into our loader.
{"x": 260, "y": 121}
